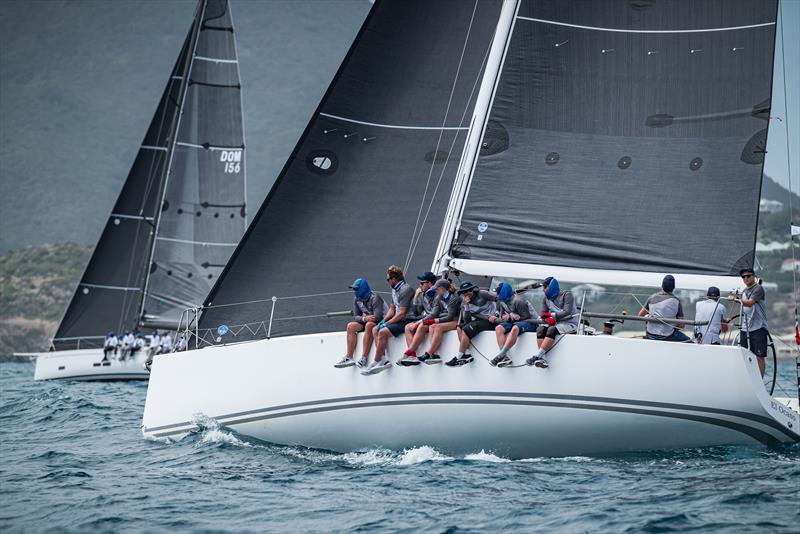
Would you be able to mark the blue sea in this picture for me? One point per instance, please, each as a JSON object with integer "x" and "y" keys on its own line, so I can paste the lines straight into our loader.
{"x": 73, "y": 459}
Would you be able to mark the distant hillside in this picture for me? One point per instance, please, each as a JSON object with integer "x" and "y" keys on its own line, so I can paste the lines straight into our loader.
{"x": 36, "y": 284}
{"x": 771, "y": 190}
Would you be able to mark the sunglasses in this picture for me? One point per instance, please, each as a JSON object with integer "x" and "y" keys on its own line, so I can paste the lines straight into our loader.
{"x": 746, "y": 276}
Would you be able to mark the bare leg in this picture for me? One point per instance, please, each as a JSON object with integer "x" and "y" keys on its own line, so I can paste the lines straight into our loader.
{"x": 409, "y": 332}
{"x": 512, "y": 337}
{"x": 547, "y": 344}
{"x": 381, "y": 341}
{"x": 419, "y": 337}
{"x": 463, "y": 341}
{"x": 353, "y": 328}
{"x": 762, "y": 365}
{"x": 437, "y": 335}
{"x": 369, "y": 329}
{"x": 500, "y": 333}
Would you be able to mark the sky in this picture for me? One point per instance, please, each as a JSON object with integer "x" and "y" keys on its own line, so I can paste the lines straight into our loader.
{"x": 79, "y": 80}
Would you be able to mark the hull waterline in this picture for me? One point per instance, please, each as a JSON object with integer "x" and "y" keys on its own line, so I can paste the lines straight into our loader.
{"x": 87, "y": 365}
{"x": 600, "y": 395}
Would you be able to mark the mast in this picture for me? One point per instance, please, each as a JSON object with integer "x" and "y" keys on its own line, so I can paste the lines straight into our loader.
{"x": 480, "y": 117}
{"x": 187, "y": 72}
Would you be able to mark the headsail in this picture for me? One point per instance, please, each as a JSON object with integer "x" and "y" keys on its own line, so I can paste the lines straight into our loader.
{"x": 625, "y": 140}
{"x": 110, "y": 295}
{"x": 203, "y": 213}
{"x": 368, "y": 183}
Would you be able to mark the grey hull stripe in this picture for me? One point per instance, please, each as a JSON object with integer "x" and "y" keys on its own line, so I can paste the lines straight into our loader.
{"x": 233, "y": 418}
{"x": 393, "y": 126}
{"x": 105, "y": 377}
{"x": 623, "y": 30}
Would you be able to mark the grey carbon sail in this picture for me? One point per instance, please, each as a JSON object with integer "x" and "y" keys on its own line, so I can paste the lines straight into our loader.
{"x": 626, "y": 135}
{"x": 109, "y": 295}
{"x": 376, "y": 161}
{"x": 203, "y": 213}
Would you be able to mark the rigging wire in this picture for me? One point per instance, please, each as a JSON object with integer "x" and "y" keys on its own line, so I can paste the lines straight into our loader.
{"x": 441, "y": 133}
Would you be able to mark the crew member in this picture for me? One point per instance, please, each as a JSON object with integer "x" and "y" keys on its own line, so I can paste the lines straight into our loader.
{"x": 155, "y": 344}
{"x": 754, "y": 333}
{"x": 421, "y": 307}
{"x": 560, "y": 316}
{"x": 368, "y": 310}
{"x": 109, "y": 345}
{"x": 664, "y": 305}
{"x": 394, "y": 322}
{"x": 126, "y": 345}
{"x": 518, "y": 317}
{"x": 710, "y": 311}
{"x": 478, "y": 314}
{"x": 166, "y": 344}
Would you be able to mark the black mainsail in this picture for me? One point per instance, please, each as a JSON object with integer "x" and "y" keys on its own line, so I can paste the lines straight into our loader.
{"x": 627, "y": 136}
{"x": 181, "y": 210}
{"x": 368, "y": 182}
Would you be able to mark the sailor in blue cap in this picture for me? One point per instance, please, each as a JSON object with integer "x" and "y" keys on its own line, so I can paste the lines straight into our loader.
{"x": 368, "y": 310}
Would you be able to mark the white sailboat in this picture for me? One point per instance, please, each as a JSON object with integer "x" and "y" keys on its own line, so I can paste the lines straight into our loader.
{"x": 177, "y": 220}
{"x": 497, "y": 83}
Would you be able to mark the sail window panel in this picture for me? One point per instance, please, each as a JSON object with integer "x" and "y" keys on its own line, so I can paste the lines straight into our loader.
{"x": 653, "y": 14}
{"x": 593, "y": 110}
{"x": 402, "y": 72}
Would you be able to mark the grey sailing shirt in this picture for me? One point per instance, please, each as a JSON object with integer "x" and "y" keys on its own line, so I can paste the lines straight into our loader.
{"x": 445, "y": 308}
{"x": 711, "y": 311}
{"x": 402, "y": 296}
{"x": 664, "y": 305}
{"x": 520, "y": 306}
{"x": 754, "y": 316}
{"x": 562, "y": 307}
{"x": 481, "y": 307}
{"x": 374, "y": 305}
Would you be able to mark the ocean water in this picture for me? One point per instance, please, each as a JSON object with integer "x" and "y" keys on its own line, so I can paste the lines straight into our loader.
{"x": 73, "y": 459}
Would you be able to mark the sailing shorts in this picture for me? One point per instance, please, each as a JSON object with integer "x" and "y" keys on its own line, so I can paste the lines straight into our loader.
{"x": 397, "y": 328}
{"x": 523, "y": 326}
{"x": 757, "y": 342}
{"x": 473, "y": 328}
{"x": 552, "y": 331}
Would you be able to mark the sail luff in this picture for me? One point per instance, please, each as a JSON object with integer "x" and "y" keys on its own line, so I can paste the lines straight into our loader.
{"x": 241, "y": 110}
{"x": 173, "y": 141}
{"x": 483, "y": 104}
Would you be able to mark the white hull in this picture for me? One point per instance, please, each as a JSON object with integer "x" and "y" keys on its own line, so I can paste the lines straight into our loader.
{"x": 86, "y": 364}
{"x": 600, "y": 395}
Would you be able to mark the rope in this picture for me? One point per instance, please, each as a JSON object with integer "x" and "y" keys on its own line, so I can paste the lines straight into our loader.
{"x": 409, "y": 254}
{"x": 558, "y": 340}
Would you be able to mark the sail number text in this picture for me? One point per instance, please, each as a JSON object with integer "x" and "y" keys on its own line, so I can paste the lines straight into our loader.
{"x": 232, "y": 160}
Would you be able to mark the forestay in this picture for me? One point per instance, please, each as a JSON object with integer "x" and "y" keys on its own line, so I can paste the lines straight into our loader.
{"x": 368, "y": 183}
{"x": 624, "y": 137}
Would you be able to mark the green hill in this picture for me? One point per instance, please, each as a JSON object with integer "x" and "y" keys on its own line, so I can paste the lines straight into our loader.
{"x": 36, "y": 284}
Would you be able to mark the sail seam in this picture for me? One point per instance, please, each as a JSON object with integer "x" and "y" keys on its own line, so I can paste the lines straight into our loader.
{"x": 190, "y": 242}
{"x": 216, "y": 59}
{"x": 394, "y": 126}
{"x": 135, "y": 217}
{"x": 116, "y": 288}
{"x": 209, "y": 147}
{"x": 151, "y": 147}
{"x": 624, "y": 30}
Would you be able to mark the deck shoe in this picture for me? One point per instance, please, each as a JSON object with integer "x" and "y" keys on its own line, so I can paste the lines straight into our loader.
{"x": 430, "y": 359}
{"x": 452, "y": 362}
{"x": 344, "y": 362}
{"x": 465, "y": 359}
{"x": 502, "y": 361}
{"x": 541, "y": 363}
{"x": 382, "y": 365}
{"x": 408, "y": 361}
{"x": 362, "y": 363}
{"x": 496, "y": 360}
{"x": 530, "y": 362}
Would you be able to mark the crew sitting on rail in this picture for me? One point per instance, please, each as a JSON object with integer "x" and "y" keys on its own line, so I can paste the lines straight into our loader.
{"x": 712, "y": 311}
{"x": 754, "y": 333}
{"x": 421, "y": 307}
{"x": 109, "y": 345}
{"x": 443, "y": 318}
{"x": 560, "y": 316}
{"x": 126, "y": 345}
{"x": 478, "y": 308}
{"x": 368, "y": 310}
{"x": 154, "y": 345}
{"x": 394, "y": 322}
{"x": 138, "y": 344}
{"x": 518, "y": 315}
{"x": 166, "y": 344}
{"x": 664, "y": 305}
